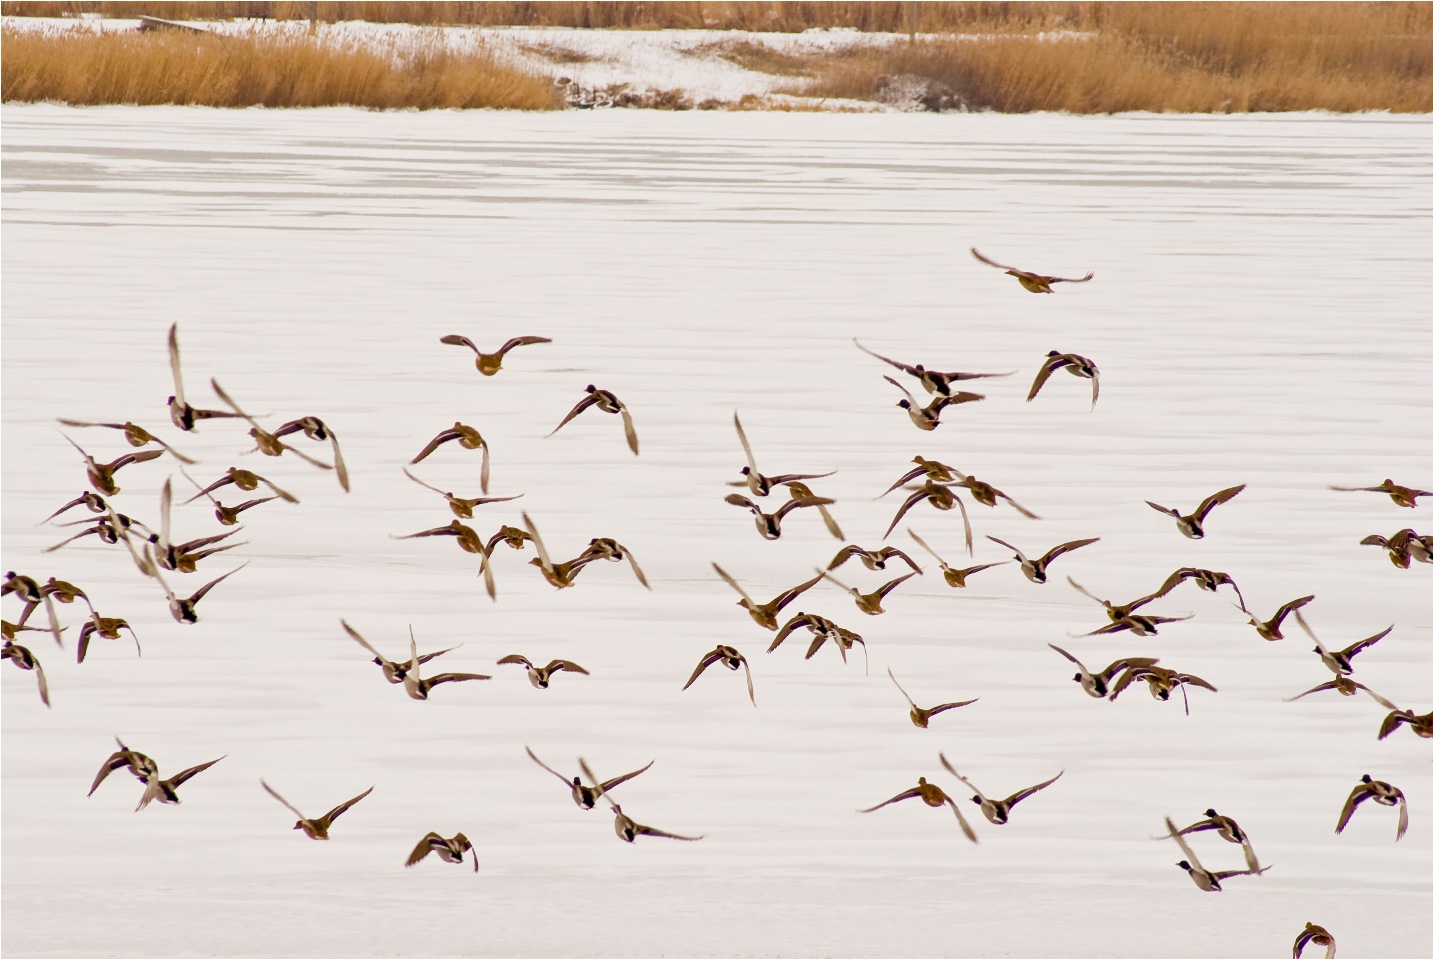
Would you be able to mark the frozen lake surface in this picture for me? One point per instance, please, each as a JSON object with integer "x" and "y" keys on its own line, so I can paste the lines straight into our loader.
{"x": 1259, "y": 314}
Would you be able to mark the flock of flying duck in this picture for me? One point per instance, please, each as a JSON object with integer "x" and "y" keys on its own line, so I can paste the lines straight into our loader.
{"x": 930, "y": 482}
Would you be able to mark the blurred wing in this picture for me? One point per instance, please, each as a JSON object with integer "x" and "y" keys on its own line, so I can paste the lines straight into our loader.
{"x": 936, "y": 711}
{"x": 533, "y": 756}
{"x": 421, "y": 483}
{"x": 582, "y": 404}
{"x": 425, "y": 846}
{"x": 905, "y": 368}
{"x": 43, "y": 683}
{"x": 183, "y": 777}
{"x": 1213, "y": 500}
{"x": 951, "y": 769}
{"x": 960, "y": 818}
{"x": 788, "y": 595}
{"x": 907, "y": 392}
{"x": 989, "y": 262}
{"x": 137, "y": 457}
{"x": 522, "y": 341}
{"x": 339, "y": 466}
{"x": 283, "y": 495}
{"x": 1250, "y": 860}
{"x": 1187, "y": 679}
{"x": 637, "y": 570}
{"x": 1031, "y": 790}
{"x": 287, "y": 805}
{"x": 1064, "y": 548}
{"x": 486, "y": 569}
{"x": 1018, "y": 508}
{"x": 653, "y": 831}
{"x": 885, "y": 590}
{"x": 453, "y": 678}
{"x": 908, "y": 794}
{"x": 343, "y": 807}
{"x": 901, "y": 688}
{"x": 204, "y": 590}
{"x": 926, "y": 547}
{"x": 707, "y": 660}
{"x": 1071, "y": 581}
{"x": 745, "y": 446}
{"x": 587, "y": 771}
{"x": 911, "y": 500}
{"x": 1018, "y": 555}
{"x": 537, "y": 542}
{"x": 1363, "y": 644}
{"x": 630, "y": 430}
{"x": 1183, "y": 846}
{"x": 1069, "y": 657}
{"x": 1040, "y": 377}
{"x": 613, "y": 783}
{"x": 173, "y": 452}
{"x": 174, "y": 364}
{"x": 1354, "y": 798}
{"x": 454, "y": 339}
{"x": 219, "y": 391}
{"x": 732, "y": 583}
{"x": 433, "y": 444}
{"x": 918, "y": 471}
{"x": 353, "y": 634}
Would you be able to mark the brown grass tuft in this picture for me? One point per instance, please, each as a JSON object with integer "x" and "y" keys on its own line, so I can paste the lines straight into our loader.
{"x": 273, "y": 69}
{"x": 758, "y": 56}
{"x": 556, "y": 53}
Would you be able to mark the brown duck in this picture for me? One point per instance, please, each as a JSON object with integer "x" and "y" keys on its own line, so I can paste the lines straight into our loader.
{"x": 1034, "y": 282}
{"x": 468, "y": 438}
{"x": 490, "y": 363}
{"x": 316, "y": 828}
{"x": 921, "y": 717}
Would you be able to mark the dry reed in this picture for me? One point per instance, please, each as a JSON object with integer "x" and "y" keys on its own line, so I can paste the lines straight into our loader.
{"x": 1183, "y": 57}
{"x": 272, "y": 69}
{"x": 780, "y": 17}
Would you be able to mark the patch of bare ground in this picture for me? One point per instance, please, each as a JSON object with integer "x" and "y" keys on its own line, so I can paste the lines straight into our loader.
{"x": 556, "y": 53}
{"x": 757, "y": 56}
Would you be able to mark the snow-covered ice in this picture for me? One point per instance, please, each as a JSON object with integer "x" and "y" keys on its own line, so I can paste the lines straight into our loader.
{"x": 1259, "y": 314}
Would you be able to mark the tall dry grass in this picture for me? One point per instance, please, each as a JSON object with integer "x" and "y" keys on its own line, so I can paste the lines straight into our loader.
{"x": 272, "y": 69}
{"x": 782, "y": 17}
{"x": 1181, "y": 57}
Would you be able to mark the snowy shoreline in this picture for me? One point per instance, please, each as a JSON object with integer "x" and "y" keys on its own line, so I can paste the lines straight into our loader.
{"x": 646, "y": 64}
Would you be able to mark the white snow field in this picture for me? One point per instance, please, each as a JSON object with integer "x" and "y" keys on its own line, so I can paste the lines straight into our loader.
{"x": 1259, "y": 313}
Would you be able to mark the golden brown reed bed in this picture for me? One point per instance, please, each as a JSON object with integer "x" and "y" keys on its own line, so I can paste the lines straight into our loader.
{"x": 781, "y": 17}
{"x": 275, "y": 69}
{"x": 1184, "y": 57}
{"x": 1195, "y": 57}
